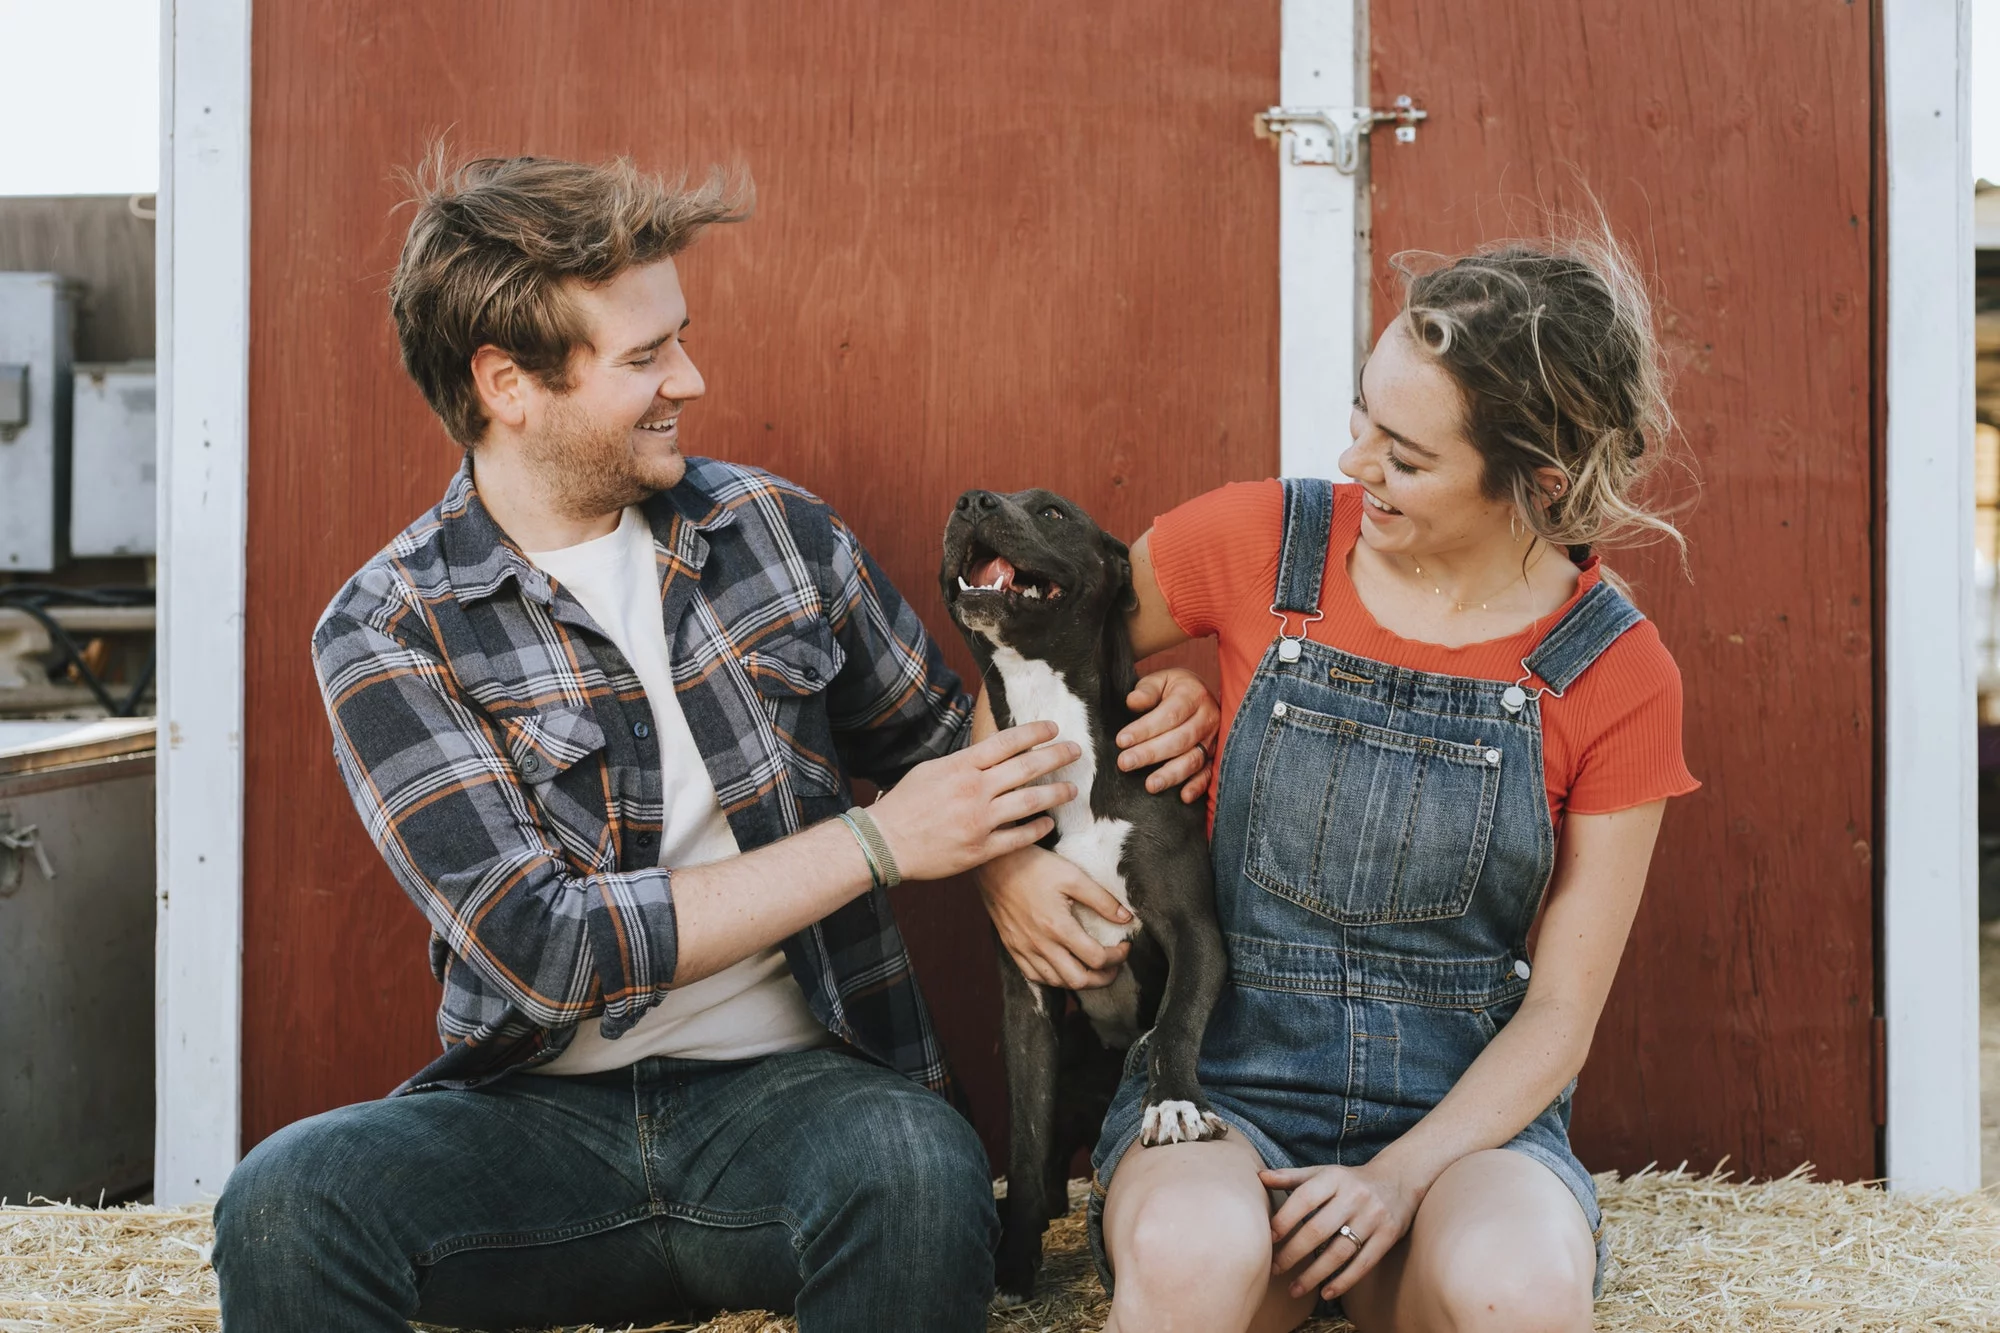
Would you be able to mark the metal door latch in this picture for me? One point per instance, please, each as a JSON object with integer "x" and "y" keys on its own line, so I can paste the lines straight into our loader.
{"x": 1331, "y": 136}
{"x": 15, "y": 845}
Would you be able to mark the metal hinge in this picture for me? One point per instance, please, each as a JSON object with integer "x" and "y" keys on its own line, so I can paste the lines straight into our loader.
{"x": 15, "y": 847}
{"x": 1331, "y": 136}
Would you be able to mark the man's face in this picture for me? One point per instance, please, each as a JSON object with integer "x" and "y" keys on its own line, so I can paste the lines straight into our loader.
{"x": 613, "y": 437}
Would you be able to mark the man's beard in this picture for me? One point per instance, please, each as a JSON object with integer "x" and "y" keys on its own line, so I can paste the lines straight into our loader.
{"x": 588, "y": 469}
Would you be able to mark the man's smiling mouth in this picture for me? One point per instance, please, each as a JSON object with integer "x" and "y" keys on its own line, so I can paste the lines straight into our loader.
{"x": 664, "y": 426}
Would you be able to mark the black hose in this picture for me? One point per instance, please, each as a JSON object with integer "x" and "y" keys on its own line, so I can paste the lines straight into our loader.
{"x": 35, "y": 598}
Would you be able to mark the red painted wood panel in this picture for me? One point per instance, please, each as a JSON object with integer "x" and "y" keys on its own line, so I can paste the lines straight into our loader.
{"x": 1003, "y": 244}
{"x": 1731, "y": 147}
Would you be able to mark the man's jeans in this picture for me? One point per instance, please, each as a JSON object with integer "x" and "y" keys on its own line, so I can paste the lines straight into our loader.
{"x": 815, "y": 1183}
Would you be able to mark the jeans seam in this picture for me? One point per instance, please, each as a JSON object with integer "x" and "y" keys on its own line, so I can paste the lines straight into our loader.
{"x": 519, "y": 1240}
{"x": 733, "y": 1219}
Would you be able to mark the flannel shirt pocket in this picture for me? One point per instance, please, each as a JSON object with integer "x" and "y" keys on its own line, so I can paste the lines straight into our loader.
{"x": 791, "y": 672}
{"x": 550, "y": 741}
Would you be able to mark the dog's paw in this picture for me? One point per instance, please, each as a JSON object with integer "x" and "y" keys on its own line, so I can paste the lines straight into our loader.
{"x": 1179, "y": 1122}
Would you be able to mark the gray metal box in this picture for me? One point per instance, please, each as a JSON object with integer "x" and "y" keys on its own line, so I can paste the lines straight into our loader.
{"x": 113, "y": 461}
{"x": 36, "y": 311}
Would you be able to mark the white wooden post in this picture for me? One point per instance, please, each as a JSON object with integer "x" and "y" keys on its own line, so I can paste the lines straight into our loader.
{"x": 1930, "y": 951}
{"x": 1322, "y": 256}
{"x": 203, "y": 354}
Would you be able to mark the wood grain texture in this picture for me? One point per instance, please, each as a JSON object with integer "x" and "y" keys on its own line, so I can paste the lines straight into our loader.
{"x": 1731, "y": 149}
{"x": 996, "y": 244}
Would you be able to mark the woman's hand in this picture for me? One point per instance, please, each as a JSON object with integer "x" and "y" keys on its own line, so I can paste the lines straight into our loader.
{"x": 951, "y": 814}
{"x": 1028, "y": 894}
{"x": 1377, "y": 1204}
{"x": 1175, "y": 729}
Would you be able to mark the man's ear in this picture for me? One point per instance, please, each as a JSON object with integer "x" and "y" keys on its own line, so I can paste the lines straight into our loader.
{"x": 502, "y": 386}
{"x": 1119, "y": 555}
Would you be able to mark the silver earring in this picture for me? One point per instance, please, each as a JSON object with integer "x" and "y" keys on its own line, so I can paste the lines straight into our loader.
{"x": 1514, "y": 526}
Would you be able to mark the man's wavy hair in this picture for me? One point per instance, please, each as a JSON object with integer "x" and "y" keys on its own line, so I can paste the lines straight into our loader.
{"x": 495, "y": 245}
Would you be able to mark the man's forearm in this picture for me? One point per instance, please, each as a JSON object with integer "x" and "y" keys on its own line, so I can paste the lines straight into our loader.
{"x": 728, "y": 910}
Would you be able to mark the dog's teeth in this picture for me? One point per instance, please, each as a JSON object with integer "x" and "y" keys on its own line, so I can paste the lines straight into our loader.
{"x": 1032, "y": 592}
{"x": 963, "y": 586}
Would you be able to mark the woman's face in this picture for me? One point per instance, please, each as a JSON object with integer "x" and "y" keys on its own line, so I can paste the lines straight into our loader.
{"x": 1422, "y": 476}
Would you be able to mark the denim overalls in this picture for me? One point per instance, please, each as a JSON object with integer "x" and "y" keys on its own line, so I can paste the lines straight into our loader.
{"x": 1382, "y": 842}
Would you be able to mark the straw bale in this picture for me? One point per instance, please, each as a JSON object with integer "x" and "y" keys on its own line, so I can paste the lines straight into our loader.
{"x": 1692, "y": 1254}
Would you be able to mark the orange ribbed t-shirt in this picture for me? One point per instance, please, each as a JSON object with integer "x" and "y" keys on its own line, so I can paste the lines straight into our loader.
{"x": 1611, "y": 742}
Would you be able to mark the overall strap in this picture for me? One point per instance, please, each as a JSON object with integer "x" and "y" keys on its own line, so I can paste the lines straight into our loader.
{"x": 1591, "y": 626}
{"x": 1302, "y": 556}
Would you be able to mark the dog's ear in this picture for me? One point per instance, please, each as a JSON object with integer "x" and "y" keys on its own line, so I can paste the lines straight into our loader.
{"x": 1118, "y": 556}
{"x": 1116, "y": 650}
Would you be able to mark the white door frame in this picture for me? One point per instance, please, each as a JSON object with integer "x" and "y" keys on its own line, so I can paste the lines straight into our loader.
{"x": 1323, "y": 258}
{"x": 203, "y": 355}
{"x": 1930, "y": 951}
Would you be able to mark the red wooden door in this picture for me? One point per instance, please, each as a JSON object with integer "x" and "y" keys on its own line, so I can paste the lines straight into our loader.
{"x": 1731, "y": 148}
{"x": 996, "y": 243}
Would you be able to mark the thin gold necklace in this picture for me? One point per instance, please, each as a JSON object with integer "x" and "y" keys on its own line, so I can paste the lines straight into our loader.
{"x": 1458, "y": 604}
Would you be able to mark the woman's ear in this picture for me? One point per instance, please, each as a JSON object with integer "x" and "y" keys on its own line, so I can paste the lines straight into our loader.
{"x": 1553, "y": 483}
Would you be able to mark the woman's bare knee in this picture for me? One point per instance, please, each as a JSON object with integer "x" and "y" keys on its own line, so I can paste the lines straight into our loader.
{"x": 1499, "y": 1246}
{"x": 1193, "y": 1234}
{"x": 1189, "y": 1233}
{"x": 1494, "y": 1284}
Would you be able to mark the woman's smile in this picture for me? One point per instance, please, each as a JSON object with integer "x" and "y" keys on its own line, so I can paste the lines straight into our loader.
{"x": 1374, "y": 505}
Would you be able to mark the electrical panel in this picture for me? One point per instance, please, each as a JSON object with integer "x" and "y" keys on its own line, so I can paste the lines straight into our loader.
{"x": 36, "y": 314}
{"x": 113, "y": 456}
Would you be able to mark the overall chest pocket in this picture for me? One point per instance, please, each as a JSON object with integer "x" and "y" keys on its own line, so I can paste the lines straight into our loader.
{"x": 791, "y": 674}
{"x": 1367, "y": 826}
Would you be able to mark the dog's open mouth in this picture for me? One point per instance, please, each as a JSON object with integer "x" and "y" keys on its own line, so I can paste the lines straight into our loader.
{"x": 987, "y": 571}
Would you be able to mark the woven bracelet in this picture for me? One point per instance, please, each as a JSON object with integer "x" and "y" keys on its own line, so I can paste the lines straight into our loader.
{"x": 881, "y": 862}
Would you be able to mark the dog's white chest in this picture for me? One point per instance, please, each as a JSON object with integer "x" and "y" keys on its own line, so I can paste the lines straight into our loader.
{"x": 1036, "y": 693}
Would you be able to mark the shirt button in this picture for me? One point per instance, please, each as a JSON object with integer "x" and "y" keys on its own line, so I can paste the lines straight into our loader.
{"x": 1493, "y": 758}
{"x": 647, "y": 839}
{"x": 1278, "y": 708}
{"x": 811, "y": 676}
{"x": 530, "y": 764}
{"x": 641, "y": 730}
{"x": 1521, "y": 968}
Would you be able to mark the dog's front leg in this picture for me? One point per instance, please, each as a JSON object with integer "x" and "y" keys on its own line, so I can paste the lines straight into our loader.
{"x": 1176, "y": 1109}
{"x": 1029, "y": 1013}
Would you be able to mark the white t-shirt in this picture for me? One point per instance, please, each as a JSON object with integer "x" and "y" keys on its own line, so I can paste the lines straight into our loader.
{"x": 754, "y": 1007}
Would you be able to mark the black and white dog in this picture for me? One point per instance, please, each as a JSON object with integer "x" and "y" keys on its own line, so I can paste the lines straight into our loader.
{"x": 1041, "y": 593}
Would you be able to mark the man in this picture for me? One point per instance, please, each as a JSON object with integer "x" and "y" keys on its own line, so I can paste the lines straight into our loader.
{"x": 599, "y": 709}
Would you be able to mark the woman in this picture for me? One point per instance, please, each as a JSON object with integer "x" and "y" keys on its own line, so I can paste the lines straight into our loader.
{"x": 1447, "y": 722}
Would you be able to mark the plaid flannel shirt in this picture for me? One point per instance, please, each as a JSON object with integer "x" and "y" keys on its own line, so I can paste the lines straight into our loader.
{"x": 499, "y": 750}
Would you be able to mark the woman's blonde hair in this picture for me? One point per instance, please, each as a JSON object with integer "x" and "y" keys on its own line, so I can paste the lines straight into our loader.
{"x": 1552, "y": 346}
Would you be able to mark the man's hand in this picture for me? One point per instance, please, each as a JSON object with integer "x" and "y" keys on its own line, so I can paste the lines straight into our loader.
{"x": 951, "y": 814}
{"x": 1028, "y": 894}
{"x": 1175, "y": 729}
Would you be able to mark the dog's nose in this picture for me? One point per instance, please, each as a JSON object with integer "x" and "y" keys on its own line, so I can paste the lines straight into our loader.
{"x": 981, "y": 501}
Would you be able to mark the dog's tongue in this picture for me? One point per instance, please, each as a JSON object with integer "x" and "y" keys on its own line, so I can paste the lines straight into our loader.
{"x": 994, "y": 573}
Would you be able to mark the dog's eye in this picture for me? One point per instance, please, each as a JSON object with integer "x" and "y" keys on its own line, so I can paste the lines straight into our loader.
{"x": 1050, "y": 511}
